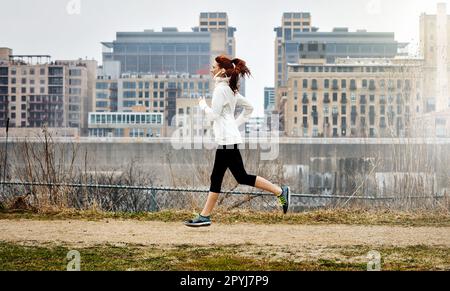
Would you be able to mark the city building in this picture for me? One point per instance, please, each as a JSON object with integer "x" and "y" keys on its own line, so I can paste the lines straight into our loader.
{"x": 298, "y": 39}
{"x": 304, "y": 54}
{"x": 166, "y": 52}
{"x": 35, "y": 91}
{"x": 218, "y": 22}
{"x": 126, "y": 124}
{"x": 370, "y": 97}
{"x": 434, "y": 48}
{"x": 162, "y": 72}
{"x": 171, "y": 51}
{"x": 167, "y": 95}
{"x": 291, "y": 22}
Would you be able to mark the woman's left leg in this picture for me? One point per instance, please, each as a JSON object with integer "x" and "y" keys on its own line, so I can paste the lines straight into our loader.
{"x": 238, "y": 170}
{"x": 263, "y": 184}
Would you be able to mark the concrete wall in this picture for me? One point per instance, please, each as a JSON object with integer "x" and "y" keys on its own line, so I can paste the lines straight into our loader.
{"x": 317, "y": 167}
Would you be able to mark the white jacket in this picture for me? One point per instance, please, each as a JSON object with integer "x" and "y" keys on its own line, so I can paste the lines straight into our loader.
{"x": 223, "y": 105}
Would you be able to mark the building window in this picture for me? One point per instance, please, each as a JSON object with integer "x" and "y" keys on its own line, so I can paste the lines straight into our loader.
{"x": 305, "y": 122}
{"x": 305, "y": 84}
{"x": 363, "y": 109}
{"x": 335, "y": 84}
{"x": 315, "y": 132}
{"x": 364, "y": 84}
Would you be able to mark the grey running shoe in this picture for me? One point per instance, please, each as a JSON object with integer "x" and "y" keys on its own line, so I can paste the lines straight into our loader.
{"x": 284, "y": 198}
{"x": 198, "y": 221}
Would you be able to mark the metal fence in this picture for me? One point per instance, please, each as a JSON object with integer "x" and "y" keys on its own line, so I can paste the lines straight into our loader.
{"x": 136, "y": 198}
{"x": 198, "y": 190}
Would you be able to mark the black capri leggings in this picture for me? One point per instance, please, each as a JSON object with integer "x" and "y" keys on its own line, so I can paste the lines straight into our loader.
{"x": 229, "y": 157}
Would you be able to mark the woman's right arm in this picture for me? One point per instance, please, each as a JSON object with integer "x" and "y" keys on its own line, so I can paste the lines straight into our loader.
{"x": 214, "y": 112}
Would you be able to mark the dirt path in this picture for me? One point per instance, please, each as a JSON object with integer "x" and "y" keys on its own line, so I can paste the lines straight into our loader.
{"x": 87, "y": 233}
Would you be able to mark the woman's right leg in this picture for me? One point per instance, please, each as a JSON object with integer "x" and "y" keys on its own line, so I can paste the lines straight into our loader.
{"x": 210, "y": 204}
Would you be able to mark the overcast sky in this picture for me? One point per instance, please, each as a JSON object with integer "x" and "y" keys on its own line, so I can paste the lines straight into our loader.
{"x": 48, "y": 27}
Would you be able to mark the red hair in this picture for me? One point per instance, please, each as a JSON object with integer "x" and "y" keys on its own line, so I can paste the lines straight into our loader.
{"x": 234, "y": 68}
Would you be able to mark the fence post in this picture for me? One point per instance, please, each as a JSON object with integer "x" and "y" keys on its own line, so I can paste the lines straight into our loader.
{"x": 153, "y": 204}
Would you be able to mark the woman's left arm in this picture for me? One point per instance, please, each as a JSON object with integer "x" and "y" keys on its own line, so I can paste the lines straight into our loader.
{"x": 248, "y": 109}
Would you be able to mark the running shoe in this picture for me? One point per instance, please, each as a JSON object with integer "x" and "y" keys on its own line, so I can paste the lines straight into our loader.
{"x": 198, "y": 221}
{"x": 283, "y": 199}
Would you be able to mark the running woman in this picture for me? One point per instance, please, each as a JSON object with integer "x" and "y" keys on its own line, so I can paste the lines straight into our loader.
{"x": 226, "y": 97}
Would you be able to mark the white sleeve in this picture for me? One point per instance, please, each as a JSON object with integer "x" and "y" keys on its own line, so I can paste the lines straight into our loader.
{"x": 248, "y": 109}
{"x": 214, "y": 112}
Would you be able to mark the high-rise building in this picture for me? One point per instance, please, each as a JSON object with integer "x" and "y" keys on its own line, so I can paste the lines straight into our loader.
{"x": 292, "y": 22}
{"x": 223, "y": 41}
{"x": 435, "y": 50}
{"x": 166, "y": 52}
{"x": 171, "y": 51}
{"x": 35, "y": 91}
{"x": 215, "y": 22}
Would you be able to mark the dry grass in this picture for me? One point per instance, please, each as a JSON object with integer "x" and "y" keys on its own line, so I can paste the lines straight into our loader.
{"x": 336, "y": 216}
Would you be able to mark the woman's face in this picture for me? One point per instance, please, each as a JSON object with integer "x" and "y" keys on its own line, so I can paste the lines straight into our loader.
{"x": 215, "y": 69}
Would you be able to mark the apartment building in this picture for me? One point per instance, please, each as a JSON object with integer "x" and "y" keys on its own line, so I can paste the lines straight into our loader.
{"x": 35, "y": 91}
{"x": 370, "y": 97}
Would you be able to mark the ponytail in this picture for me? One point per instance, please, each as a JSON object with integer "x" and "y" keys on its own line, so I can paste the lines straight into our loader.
{"x": 234, "y": 68}
{"x": 240, "y": 70}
